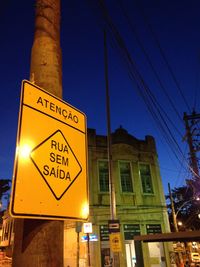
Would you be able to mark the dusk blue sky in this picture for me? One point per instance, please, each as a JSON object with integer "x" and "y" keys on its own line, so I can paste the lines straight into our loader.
{"x": 176, "y": 26}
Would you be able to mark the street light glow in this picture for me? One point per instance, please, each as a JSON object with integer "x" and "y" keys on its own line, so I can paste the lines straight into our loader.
{"x": 85, "y": 210}
{"x": 24, "y": 150}
{"x": 180, "y": 223}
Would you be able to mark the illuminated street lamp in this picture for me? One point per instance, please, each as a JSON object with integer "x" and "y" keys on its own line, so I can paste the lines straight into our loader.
{"x": 174, "y": 215}
{"x": 179, "y": 223}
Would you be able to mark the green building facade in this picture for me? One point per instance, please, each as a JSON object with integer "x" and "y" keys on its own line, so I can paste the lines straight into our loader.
{"x": 140, "y": 201}
{"x": 140, "y": 205}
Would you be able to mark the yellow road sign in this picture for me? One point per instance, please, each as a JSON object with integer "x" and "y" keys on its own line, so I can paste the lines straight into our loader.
{"x": 115, "y": 242}
{"x": 50, "y": 172}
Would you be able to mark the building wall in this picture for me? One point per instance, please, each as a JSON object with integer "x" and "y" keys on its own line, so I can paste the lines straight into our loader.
{"x": 133, "y": 208}
{"x": 7, "y": 235}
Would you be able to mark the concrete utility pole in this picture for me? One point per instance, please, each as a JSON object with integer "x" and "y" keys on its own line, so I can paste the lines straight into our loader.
{"x": 192, "y": 137}
{"x": 39, "y": 243}
{"x": 173, "y": 209}
{"x": 46, "y": 65}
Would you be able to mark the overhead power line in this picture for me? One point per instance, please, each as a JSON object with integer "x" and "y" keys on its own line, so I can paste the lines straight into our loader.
{"x": 141, "y": 9}
{"x": 143, "y": 90}
{"x": 133, "y": 30}
{"x": 153, "y": 106}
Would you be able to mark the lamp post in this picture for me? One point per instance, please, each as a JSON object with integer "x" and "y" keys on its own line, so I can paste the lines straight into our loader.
{"x": 179, "y": 223}
{"x": 179, "y": 209}
{"x": 175, "y": 213}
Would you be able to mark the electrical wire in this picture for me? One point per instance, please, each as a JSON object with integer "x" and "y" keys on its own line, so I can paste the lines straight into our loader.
{"x": 133, "y": 30}
{"x": 143, "y": 90}
{"x": 134, "y": 71}
{"x": 150, "y": 63}
{"x": 145, "y": 18}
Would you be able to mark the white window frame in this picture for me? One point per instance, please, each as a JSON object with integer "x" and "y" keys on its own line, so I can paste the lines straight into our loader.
{"x": 99, "y": 185}
{"x": 151, "y": 180}
{"x": 131, "y": 174}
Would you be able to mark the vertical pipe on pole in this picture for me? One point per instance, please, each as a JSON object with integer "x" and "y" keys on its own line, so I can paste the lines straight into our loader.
{"x": 113, "y": 213}
{"x": 109, "y": 141}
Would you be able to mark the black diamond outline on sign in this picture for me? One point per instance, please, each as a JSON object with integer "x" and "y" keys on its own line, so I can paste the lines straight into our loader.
{"x": 58, "y": 198}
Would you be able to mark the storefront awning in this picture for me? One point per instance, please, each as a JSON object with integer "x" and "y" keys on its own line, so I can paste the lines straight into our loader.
{"x": 166, "y": 237}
